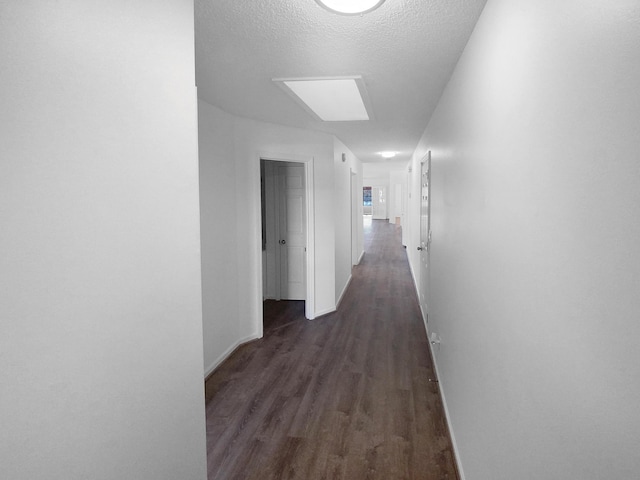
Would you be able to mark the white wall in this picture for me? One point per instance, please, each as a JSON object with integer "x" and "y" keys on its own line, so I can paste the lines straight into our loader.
{"x": 252, "y": 140}
{"x": 342, "y": 215}
{"x": 535, "y": 254}
{"x": 100, "y": 314}
{"x": 397, "y": 186}
{"x": 375, "y": 176}
{"x": 221, "y": 294}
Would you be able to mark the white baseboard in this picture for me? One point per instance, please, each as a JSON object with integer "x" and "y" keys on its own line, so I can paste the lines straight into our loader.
{"x": 228, "y": 352}
{"x": 415, "y": 280}
{"x": 360, "y": 257}
{"x": 325, "y": 312}
{"x": 456, "y": 452}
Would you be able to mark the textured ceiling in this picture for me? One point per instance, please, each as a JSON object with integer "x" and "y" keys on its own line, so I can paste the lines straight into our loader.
{"x": 405, "y": 51}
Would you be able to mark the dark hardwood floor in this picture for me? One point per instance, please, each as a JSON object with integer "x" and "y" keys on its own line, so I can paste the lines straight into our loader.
{"x": 345, "y": 396}
{"x": 279, "y": 314}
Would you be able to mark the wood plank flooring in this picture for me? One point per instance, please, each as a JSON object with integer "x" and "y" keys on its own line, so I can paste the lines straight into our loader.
{"x": 345, "y": 396}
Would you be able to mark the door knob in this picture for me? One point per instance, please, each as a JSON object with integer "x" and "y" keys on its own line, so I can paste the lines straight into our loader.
{"x": 282, "y": 242}
{"x": 419, "y": 248}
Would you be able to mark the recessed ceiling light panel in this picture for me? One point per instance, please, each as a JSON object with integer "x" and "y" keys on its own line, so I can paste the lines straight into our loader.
{"x": 335, "y": 99}
{"x": 350, "y": 7}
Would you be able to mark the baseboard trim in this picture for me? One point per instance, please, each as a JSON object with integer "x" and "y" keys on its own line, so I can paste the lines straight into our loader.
{"x": 456, "y": 452}
{"x": 413, "y": 275}
{"x": 454, "y": 444}
{"x": 324, "y": 312}
{"x": 227, "y": 353}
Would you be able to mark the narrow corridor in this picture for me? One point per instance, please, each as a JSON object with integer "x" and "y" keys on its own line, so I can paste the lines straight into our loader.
{"x": 345, "y": 396}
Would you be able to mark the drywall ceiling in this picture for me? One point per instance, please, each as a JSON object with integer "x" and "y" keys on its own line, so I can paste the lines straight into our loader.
{"x": 405, "y": 51}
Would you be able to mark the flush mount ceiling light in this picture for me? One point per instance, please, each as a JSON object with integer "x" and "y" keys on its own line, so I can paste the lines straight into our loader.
{"x": 332, "y": 99}
{"x": 387, "y": 154}
{"x": 350, "y": 7}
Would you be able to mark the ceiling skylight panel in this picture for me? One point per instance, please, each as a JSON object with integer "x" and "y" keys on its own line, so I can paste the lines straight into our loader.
{"x": 330, "y": 99}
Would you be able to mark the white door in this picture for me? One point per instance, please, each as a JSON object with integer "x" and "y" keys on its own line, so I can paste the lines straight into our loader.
{"x": 425, "y": 231}
{"x": 379, "y": 203}
{"x": 292, "y": 232}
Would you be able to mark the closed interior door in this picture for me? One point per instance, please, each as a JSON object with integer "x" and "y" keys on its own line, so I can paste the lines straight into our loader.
{"x": 379, "y": 203}
{"x": 292, "y": 232}
{"x": 425, "y": 231}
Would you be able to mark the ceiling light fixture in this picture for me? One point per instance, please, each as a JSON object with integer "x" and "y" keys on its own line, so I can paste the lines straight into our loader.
{"x": 350, "y": 7}
{"x": 329, "y": 99}
{"x": 387, "y": 154}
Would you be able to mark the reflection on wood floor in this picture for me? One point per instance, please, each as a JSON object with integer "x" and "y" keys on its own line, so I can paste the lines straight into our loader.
{"x": 344, "y": 396}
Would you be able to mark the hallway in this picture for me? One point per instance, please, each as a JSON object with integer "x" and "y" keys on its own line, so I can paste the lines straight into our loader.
{"x": 346, "y": 396}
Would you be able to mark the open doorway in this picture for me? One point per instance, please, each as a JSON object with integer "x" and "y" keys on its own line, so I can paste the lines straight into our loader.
{"x": 367, "y": 206}
{"x": 284, "y": 242}
{"x": 374, "y": 202}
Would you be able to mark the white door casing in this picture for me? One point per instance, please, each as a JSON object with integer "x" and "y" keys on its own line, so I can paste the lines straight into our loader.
{"x": 356, "y": 200}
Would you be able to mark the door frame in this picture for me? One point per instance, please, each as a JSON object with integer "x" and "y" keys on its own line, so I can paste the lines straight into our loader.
{"x": 424, "y": 245}
{"x": 355, "y": 215}
{"x": 308, "y": 164}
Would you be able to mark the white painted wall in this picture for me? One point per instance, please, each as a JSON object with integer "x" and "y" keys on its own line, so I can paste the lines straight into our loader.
{"x": 221, "y": 293}
{"x": 100, "y": 313}
{"x": 342, "y": 215}
{"x": 397, "y": 187}
{"x": 535, "y": 254}
{"x": 375, "y": 173}
{"x": 252, "y": 140}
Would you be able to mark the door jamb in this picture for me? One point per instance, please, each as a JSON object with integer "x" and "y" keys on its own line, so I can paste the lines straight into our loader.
{"x": 355, "y": 217}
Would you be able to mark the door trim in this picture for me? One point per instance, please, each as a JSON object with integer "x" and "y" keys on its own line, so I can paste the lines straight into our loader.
{"x": 355, "y": 217}
{"x": 308, "y": 163}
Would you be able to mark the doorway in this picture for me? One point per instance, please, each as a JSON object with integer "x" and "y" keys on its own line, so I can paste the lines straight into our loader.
{"x": 285, "y": 235}
{"x": 367, "y": 208}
